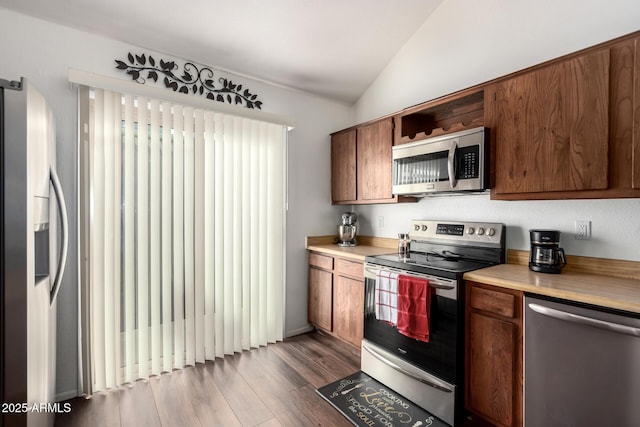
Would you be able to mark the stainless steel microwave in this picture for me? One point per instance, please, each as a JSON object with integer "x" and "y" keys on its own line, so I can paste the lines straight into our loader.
{"x": 456, "y": 162}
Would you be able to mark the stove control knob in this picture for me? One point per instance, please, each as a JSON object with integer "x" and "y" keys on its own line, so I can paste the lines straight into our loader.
{"x": 416, "y": 227}
{"x": 470, "y": 230}
{"x": 491, "y": 231}
{"x": 424, "y": 227}
{"x": 480, "y": 231}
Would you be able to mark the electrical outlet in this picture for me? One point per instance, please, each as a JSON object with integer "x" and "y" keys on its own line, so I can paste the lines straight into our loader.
{"x": 583, "y": 230}
{"x": 381, "y": 222}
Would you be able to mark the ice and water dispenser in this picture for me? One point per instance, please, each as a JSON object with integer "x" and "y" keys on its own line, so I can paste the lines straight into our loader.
{"x": 41, "y": 237}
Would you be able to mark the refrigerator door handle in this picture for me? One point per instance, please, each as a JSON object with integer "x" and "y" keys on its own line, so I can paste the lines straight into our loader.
{"x": 62, "y": 208}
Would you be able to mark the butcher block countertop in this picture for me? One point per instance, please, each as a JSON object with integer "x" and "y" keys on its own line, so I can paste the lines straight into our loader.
{"x": 603, "y": 282}
{"x": 366, "y": 246}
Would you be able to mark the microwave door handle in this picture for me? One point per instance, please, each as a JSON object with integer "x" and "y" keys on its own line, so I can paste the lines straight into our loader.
{"x": 450, "y": 163}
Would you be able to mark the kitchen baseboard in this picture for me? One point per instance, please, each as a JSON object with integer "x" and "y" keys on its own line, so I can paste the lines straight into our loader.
{"x": 299, "y": 331}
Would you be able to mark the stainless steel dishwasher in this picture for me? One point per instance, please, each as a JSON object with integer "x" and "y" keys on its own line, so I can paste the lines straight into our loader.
{"x": 581, "y": 366}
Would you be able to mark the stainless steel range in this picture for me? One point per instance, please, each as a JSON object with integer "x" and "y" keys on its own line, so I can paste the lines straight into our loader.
{"x": 426, "y": 367}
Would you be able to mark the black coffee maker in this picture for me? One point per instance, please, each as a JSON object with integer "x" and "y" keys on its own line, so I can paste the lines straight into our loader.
{"x": 546, "y": 255}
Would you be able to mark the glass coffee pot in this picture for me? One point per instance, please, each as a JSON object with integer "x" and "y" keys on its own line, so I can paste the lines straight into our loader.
{"x": 546, "y": 255}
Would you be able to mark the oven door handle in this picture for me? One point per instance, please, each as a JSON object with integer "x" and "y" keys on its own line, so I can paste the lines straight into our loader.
{"x": 438, "y": 286}
{"x": 431, "y": 283}
{"x": 432, "y": 382}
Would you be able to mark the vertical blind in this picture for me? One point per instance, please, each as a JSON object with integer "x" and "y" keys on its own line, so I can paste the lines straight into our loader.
{"x": 183, "y": 234}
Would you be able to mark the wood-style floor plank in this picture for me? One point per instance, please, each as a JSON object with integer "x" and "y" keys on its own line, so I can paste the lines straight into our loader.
{"x": 318, "y": 410}
{"x": 272, "y": 389}
{"x": 272, "y": 363}
{"x": 137, "y": 406}
{"x": 173, "y": 402}
{"x": 207, "y": 400}
{"x": 330, "y": 361}
{"x": 308, "y": 368}
{"x": 244, "y": 401}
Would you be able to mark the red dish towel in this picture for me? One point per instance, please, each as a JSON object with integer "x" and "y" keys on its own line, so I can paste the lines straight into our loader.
{"x": 414, "y": 301}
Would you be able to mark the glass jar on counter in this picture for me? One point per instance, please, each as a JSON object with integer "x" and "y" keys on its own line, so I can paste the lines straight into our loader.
{"x": 403, "y": 245}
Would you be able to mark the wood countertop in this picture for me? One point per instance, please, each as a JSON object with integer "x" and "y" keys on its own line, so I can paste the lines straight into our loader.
{"x": 367, "y": 246}
{"x": 597, "y": 281}
{"x": 618, "y": 289}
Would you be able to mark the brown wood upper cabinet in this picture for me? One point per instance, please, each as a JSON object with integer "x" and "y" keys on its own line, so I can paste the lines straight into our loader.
{"x": 374, "y": 142}
{"x": 361, "y": 164}
{"x": 343, "y": 166}
{"x": 552, "y": 127}
{"x": 565, "y": 129}
{"x": 570, "y": 128}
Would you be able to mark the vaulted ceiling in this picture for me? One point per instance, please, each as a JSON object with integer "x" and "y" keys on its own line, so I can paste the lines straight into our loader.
{"x": 332, "y": 48}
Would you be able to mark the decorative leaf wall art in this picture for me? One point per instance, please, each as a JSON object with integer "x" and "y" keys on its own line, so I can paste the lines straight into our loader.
{"x": 194, "y": 80}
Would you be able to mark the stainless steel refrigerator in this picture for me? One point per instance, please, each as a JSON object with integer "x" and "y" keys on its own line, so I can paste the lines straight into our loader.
{"x": 34, "y": 243}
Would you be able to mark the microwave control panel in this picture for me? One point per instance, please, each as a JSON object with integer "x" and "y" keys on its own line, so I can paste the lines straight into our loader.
{"x": 468, "y": 162}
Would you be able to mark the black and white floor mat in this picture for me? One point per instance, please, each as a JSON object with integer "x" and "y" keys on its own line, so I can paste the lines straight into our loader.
{"x": 367, "y": 403}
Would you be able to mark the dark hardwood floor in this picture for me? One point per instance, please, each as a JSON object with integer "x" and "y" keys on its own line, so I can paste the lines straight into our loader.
{"x": 268, "y": 386}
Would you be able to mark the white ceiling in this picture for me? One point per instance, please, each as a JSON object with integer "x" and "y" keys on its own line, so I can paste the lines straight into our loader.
{"x": 333, "y": 48}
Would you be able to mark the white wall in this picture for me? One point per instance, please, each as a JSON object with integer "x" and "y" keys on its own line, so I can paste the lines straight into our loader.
{"x": 467, "y": 42}
{"x": 43, "y": 52}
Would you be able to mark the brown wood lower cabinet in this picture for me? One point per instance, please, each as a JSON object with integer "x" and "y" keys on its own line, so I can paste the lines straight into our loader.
{"x": 320, "y": 298}
{"x": 494, "y": 354}
{"x": 336, "y": 296}
{"x": 348, "y": 309}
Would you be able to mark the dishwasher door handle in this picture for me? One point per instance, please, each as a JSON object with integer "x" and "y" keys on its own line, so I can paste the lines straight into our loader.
{"x": 588, "y": 321}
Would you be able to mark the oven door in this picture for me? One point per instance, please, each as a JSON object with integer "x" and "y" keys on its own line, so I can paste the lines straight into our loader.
{"x": 429, "y": 374}
{"x": 449, "y": 163}
{"x": 440, "y": 355}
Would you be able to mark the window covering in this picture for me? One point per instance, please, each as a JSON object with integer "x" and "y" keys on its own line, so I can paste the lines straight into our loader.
{"x": 182, "y": 231}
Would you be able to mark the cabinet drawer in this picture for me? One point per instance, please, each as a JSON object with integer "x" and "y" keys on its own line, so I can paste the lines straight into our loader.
{"x": 321, "y": 261}
{"x": 353, "y": 269}
{"x": 493, "y": 301}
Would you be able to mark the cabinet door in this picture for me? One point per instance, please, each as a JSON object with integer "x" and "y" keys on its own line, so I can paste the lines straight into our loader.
{"x": 320, "y": 298}
{"x": 493, "y": 377}
{"x": 343, "y": 166}
{"x": 374, "y": 160}
{"x": 552, "y": 127}
{"x": 624, "y": 156}
{"x": 348, "y": 310}
{"x": 492, "y": 350}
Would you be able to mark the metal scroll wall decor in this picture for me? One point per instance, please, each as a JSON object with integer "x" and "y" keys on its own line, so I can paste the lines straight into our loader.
{"x": 194, "y": 80}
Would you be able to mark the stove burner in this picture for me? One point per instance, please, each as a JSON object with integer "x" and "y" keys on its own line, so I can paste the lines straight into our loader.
{"x": 446, "y": 255}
